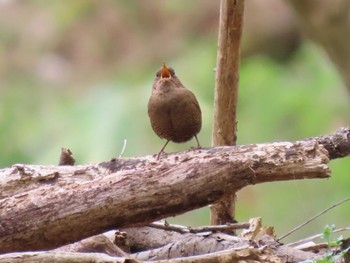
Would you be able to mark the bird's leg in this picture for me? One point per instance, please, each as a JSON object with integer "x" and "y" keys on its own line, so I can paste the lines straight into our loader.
{"x": 198, "y": 145}
{"x": 161, "y": 150}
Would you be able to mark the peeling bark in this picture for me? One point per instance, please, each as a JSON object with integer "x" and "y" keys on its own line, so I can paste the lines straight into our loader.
{"x": 61, "y": 257}
{"x": 95, "y": 244}
{"x": 43, "y": 207}
{"x": 226, "y": 95}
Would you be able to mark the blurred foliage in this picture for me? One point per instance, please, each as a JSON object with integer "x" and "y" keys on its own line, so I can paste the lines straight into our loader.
{"x": 79, "y": 75}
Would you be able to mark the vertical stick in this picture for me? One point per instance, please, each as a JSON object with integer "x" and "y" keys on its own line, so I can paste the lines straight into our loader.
{"x": 226, "y": 93}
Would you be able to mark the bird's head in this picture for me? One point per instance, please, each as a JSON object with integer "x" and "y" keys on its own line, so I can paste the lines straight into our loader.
{"x": 166, "y": 80}
{"x": 165, "y": 73}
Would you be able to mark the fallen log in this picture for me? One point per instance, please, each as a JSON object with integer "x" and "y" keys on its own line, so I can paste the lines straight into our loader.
{"x": 43, "y": 207}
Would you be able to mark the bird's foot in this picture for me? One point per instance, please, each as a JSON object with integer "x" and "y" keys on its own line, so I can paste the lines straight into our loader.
{"x": 160, "y": 154}
{"x": 195, "y": 148}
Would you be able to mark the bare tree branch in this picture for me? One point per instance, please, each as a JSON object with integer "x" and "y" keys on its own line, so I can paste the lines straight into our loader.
{"x": 192, "y": 244}
{"x": 61, "y": 257}
{"x": 43, "y": 207}
{"x": 211, "y": 228}
{"x": 226, "y": 95}
{"x": 308, "y": 239}
{"x": 95, "y": 244}
{"x": 227, "y": 72}
{"x": 155, "y": 244}
{"x": 313, "y": 218}
{"x": 337, "y": 144}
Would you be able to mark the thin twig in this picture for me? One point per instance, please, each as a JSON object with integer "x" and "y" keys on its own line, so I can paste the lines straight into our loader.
{"x": 316, "y": 247}
{"x": 123, "y": 149}
{"x": 213, "y": 228}
{"x": 302, "y": 241}
{"x": 169, "y": 227}
{"x": 184, "y": 229}
{"x": 313, "y": 218}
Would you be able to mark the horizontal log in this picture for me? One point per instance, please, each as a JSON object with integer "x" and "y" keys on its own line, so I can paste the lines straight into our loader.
{"x": 61, "y": 257}
{"x": 43, "y": 207}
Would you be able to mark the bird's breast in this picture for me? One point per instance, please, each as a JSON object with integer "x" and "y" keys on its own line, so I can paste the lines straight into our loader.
{"x": 175, "y": 115}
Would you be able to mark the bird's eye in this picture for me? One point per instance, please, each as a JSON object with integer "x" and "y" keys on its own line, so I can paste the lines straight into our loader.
{"x": 172, "y": 72}
{"x": 158, "y": 74}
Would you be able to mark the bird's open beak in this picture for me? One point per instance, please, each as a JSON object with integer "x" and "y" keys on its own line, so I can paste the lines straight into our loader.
{"x": 165, "y": 74}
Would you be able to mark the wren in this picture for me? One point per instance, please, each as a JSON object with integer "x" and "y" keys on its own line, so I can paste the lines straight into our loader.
{"x": 173, "y": 109}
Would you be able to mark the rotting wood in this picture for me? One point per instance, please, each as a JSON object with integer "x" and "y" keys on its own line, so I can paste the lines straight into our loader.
{"x": 211, "y": 228}
{"x": 170, "y": 242}
{"x": 244, "y": 253}
{"x": 66, "y": 157}
{"x": 94, "y": 244}
{"x": 61, "y": 257}
{"x": 189, "y": 247}
{"x": 192, "y": 244}
{"x": 226, "y": 95}
{"x": 43, "y": 207}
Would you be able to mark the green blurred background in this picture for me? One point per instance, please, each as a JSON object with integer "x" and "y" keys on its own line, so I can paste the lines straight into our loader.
{"x": 78, "y": 74}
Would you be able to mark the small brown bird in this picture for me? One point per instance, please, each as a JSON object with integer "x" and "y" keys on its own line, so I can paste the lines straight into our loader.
{"x": 173, "y": 109}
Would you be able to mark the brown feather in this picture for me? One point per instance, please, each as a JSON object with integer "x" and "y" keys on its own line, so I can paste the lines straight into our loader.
{"x": 173, "y": 109}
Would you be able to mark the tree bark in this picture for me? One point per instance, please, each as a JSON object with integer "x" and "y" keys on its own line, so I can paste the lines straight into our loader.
{"x": 156, "y": 244}
{"x": 192, "y": 244}
{"x": 226, "y": 94}
{"x": 168, "y": 246}
{"x": 43, "y": 207}
{"x": 227, "y": 72}
{"x": 94, "y": 244}
{"x": 61, "y": 257}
